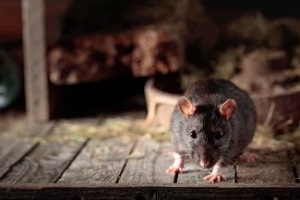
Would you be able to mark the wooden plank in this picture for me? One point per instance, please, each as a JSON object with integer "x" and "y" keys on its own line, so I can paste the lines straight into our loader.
{"x": 12, "y": 150}
{"x": 148, "y": 163}
{"x": 295, "y": 159}
{"x": 93, "y": 120}
{"x": 271, "y": 156}
{"x": 272, "y": 167}
{"x": 194, "y": 174}
{"x": 265, "y": 173}
{"x": 101, "y": 161}
{"x": 40, "y": 129}
{"x": 44, "y": 164}
{"x": 36, "y": 82}
{"x": 19, "y": 128}
{"x": 159, "y": 192}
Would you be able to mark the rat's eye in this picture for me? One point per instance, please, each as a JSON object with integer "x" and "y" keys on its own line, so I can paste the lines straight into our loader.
{"x": 193, "y": 134}
{"x": 219, "y": 135}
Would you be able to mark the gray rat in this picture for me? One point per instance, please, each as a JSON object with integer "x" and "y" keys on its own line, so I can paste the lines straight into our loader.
{"x": 213, "y": 122}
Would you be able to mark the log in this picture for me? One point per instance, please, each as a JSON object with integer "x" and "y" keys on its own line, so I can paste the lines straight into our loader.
{"x": 94, "y": 57}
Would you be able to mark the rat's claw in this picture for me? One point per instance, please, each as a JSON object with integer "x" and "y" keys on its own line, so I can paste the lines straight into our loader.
{"x": 214, "y": 178}
{"x": 174, "y": 169}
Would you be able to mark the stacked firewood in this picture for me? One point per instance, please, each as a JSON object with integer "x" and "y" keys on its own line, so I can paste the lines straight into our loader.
{"x": 137, "y": 53}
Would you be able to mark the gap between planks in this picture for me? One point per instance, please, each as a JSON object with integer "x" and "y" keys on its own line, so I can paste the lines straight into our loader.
{"x": 120, "y": 161}
{"x": 101, "y": 161}
{"x": 13, "y": 148}
{"x": 145, "y": 162}
{"x": 141, "y": 162}
{"x": 47, "y": 161}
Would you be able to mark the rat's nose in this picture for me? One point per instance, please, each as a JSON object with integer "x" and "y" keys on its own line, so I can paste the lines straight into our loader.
{"x": 204, "y": 163}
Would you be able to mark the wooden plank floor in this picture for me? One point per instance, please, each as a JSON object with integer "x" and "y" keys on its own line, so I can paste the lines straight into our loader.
{"x": 57, "y": 164}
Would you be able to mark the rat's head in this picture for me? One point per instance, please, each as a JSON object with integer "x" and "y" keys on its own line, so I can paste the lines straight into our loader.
{"x": 207, "y": 129}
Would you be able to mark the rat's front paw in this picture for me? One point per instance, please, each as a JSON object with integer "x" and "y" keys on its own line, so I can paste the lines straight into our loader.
{"x": 214, "y": 178}
{"x": 178, "y": 164}
{"x": 217, "y": 173}
{"x": 174, "y": 169}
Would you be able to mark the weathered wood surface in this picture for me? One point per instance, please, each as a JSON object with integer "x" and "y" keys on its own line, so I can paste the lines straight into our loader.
{"x": 47, "y": 161}
{"x": 101, "y": 161}
{"x": 147, "y": 164}
{"x": 12, "y": 150}
{"x": 61, "y": 164}
{"x": 36, "y": 82}
{"x": 41, "y": 129}
{"x": 295, "y": 159}
{"x": 115, "y": 161}
{"x": 44, "y": 164}
{"x": 271, "y": 167}
{"x": 148, "y": 192}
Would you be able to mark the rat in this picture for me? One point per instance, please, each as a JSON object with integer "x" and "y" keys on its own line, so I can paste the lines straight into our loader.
{"x": 213, "y": 122}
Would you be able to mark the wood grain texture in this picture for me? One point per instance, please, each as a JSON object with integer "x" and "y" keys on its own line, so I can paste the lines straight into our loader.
{"x": 148, "y": 163}
{"x": 12, "y": 150}
{"x": 265, "y": 156}
{"x": 272, "y": 167}
{"x": 265, "y": 173}
{"x": 295, "y": 159}
{"x": 42, "y": 129}
{"x": 158, "y": 192}
{"x": 36, "y": 82}
{"x": 44, "y": 164}
{"x": 101, "y": 161}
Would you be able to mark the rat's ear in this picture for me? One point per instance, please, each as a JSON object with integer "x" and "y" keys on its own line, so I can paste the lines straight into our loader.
{"x": 186, "y": 107}
{"x": 227, "y": 108}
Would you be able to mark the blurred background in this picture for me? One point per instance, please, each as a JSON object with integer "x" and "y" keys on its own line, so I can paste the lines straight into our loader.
{"x": 100, "y": 53}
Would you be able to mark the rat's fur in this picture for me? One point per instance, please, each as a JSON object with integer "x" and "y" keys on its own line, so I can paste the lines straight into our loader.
{"x": 237, "y": 131}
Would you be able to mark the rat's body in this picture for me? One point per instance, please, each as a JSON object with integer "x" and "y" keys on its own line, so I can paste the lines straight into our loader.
{"x": 213, "y": 123}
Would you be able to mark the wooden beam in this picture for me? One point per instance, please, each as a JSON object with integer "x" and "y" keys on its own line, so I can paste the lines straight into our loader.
{"x": 36, "y": 82}
{"x": 169, "y": 191}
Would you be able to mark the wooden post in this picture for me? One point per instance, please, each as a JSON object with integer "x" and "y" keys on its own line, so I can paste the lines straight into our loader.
{"x": 36, "y": 82}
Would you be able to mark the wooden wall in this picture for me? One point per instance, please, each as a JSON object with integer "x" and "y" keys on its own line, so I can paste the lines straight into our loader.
{"x": 11, "y": 21}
